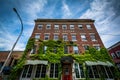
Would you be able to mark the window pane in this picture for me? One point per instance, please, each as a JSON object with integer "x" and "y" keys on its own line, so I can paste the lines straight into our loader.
{"x": 64, "y": 26}
{"x": 25, "y": 71}
{"x": 71, "y": 26}
{"x": 75, "y": 49}
{"x": 37, "y": 36}
{"x": 80, "y": 26}
{"x": 73, "y": 37}
{"x": 83, "y": 37}
{"x": 48, "y": 26}
{"x": 46, "y": 37}
{"x": 43, "y": 71}
{"x": 38, "y": 71}
{"x": 86, "y": 47}
{"x": 56, "y": 36}
{"x": 81, "y": 71}
{"x": 88, "y": 26}
{"x": 65, "y": 49}
{"x": 95, "y": 71}
{"x": 90, "y": 73}
{"x": 56, "y": 26}
{"x": 29, "y": 71}
{"x": 40, "y": 26}
{"x": 65, "y": 38}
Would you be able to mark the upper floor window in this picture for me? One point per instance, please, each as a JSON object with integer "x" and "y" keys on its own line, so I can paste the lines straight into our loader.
{"x": 83, "y": 37}
{"x": 45, "y": 48}
{"x": 48, "y": 26}
{"x": 46, "y": 37}
{"x": 118, "y": 53}
{"x": 65, "y": 49}
{"x": 71, "y": 26}
{"x": 80, "y": 26}
{"x": 92, "y": 36}
{"x": 88, "y": 26}
{"x": 37, "y": 36}
{"x": 56, "y": 26}
{"x": 40, "y": 26}
{"x": 54, "y": 70}
{"x": 86, "y": 47}
{"x": 96, "y": 46}
{"x": 113, "y": 55}
{"x": 56, "y": 37}
{"x": 64, "y": 26}
{"x": 33, "y": 51}
{"x": 75, "y": 49}
{"x": 73, "y": 37}
{"x": 65, "y": 38}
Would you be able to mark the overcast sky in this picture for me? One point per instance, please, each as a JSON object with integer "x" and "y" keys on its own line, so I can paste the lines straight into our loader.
{"x": 106, "y": 14}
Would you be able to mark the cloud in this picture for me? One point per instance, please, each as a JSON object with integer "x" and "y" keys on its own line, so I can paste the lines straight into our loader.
{"x": 103, "y": 13}
{"x": 66, "y": 11}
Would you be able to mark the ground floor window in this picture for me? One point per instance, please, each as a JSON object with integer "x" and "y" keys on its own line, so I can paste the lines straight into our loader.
{"x": 27, "y": 71}
{"x": 79, "y": 73}
{"x": 54, "y": 70}
{"x": 100, "y": 71}
{"x": 40, "y": 71}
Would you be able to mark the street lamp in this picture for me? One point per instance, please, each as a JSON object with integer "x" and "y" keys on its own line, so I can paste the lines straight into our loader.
{"x": 14, "y": 43}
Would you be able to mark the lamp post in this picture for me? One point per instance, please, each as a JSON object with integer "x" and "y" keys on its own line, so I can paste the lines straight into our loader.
{"x": 14, "y": 43}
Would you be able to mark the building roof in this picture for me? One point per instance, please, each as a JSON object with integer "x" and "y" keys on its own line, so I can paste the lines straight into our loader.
{"x": 114, "y": 45}
{"x": 15, "y": 55}
{"x": 64, "y": 20}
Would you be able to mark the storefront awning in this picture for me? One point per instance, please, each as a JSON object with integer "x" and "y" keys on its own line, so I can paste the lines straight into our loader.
{"x": 35, "y": 62}
{"x": 90, "y": 63}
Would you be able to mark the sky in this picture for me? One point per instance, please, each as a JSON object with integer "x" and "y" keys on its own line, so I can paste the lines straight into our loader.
{"x": 106, "y": 14}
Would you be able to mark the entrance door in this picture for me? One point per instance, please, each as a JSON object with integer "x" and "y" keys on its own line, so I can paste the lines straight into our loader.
{"x": 67, "y": 72}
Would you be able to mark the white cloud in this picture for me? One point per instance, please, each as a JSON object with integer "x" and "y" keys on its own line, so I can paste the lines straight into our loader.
{"x": 34, "y": 7}
{"x": 66, "y": 11}
{"x": 102, "y": 12}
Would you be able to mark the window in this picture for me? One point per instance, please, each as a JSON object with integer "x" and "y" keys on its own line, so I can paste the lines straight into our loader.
{"x": 71, "y": 26}
{"x": 65, "y": 38}
{"x": 64, "y": 26}
{"x": 48, "y": 26}
{"x": 45, "y": 48}
{"x": 27, "y": 71}
{"x": 80, "y": 26}
{"x": 86, "y": 47}
{"x": 40, "y": 71}
{"x": 40, "y": 26}
{"x": 92, "y": 36}
{"x": 88, "y": 26}
{"x": 56, "y": 26}
{"x": 56, "y": 37}
{"x": 118, "y": 65}
{"x": 46, "y": 37}
{"x": 97, "y": 47}
{"x": 33, "y": 51}
{"x": 65, "y": 49}
{"x": 55, "y": 49}
{"x": 54, "y": 70}
{"x": 75, "y": 49}
{"x": 79, "y": 73}
{"x": 118, "y": 53}
{"x": 83, "y": 37}
{"x": 37, "y": 36}
{"x": 73, "y": 37}
{"x": 113, "y": 55}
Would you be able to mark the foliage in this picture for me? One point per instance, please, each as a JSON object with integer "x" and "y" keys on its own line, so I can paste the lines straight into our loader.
{"x": 17, "y": 68}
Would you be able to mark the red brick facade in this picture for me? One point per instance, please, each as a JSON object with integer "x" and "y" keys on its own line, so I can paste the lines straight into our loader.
{"x": 69, "y": 31}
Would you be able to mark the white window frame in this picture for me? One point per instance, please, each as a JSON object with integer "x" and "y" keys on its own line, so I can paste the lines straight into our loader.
{"x": 113, "y": 55}
{"x": 46, "y": 36}
{"x": 80, "y": 26}
{"x": 54, "y": 70}
{"x": 88, "y": 26}
{"x": 118, "y": 53}
{"x": 71, "y": 26}
{"x": 37, "y": 36}
{"x": 93, "y": 38}
{"x": 65, "y": 37}
{"x": 74, "y": 37}
{"x": 56, "y": 36}
{"x": 64, "y": 26}
{"x": 40, "y": 26}
{"x": 56, "y": 26}
{"x": 48, "y": 26}
{"x": 75, "y": 48}
{"x": 83, "y": 37}
{"x": 96, "y": 46}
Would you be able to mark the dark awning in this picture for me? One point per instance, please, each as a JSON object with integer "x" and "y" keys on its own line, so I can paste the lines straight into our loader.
{"x": 66, "y": 59}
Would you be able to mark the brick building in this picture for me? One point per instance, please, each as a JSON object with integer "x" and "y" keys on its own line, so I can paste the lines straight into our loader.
{"x": 114, "y": 51}
{"x": 58, "y": 49}
{"x": 11, "y": 62}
